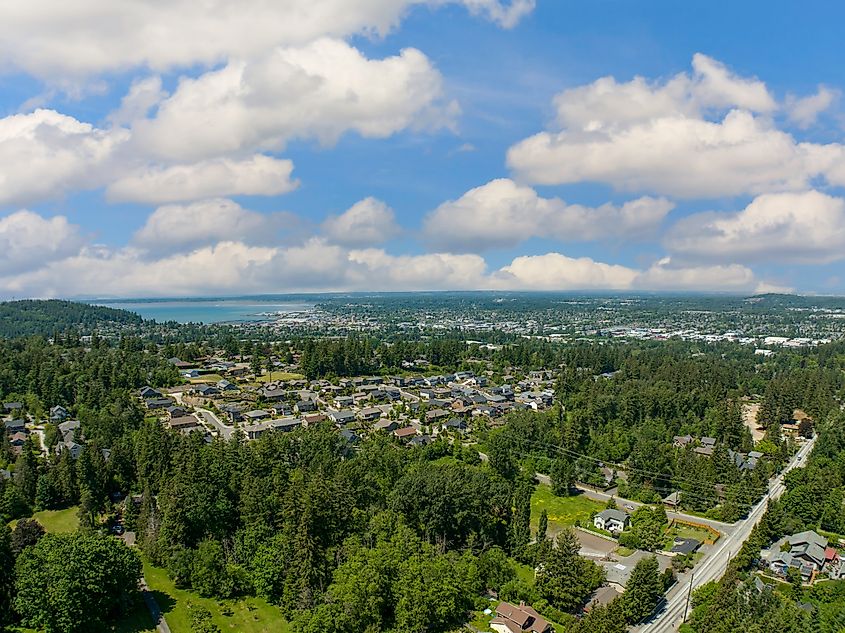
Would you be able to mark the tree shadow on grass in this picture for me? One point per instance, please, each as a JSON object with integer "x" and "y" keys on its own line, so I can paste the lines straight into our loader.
{"x": 165, "y": 601}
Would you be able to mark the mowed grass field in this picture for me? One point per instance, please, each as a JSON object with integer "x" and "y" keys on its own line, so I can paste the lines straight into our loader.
{"x": 56, "y": 521}
{"x": 563, "y": 511}
{"x": 249, "y": 615}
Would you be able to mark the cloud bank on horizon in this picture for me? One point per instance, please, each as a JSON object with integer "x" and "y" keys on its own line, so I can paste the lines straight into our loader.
{"x": 315, "y": 145}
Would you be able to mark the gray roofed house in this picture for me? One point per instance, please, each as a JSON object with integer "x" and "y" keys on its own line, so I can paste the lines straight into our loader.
{"x": 455, "y": 424}
{"x": 371, "y": 413}
{"x": 226, "y": 385}
{"x": 5, "y": 474}
{"x": 70, "y": 447}
{"x": 436, "y": 414}
{"x": 158, "y": 403}
{"x": 149, "y": 392}
{"x": 255, "y": 415}
{"x": 206, "y": 390}
{"x": 69, "y": 428}
{"x": 349, "y": 435}
{"x": 13, "y": 406}
{"x": 273, "y": 393}
{"x": 808, "y": 536}
{"x": 342, "y": 417}
{"x": 708, "y": 441}
{"x": 58, "y": 413}
{"x": 672, "y": 500}
{"x": 304, "y": 406}
{"x": 420, "y": 440}
{"x": 14, "y": 426}
{"x": 286, "y": 424}
{"x": 386, "y": 425}
{"x": 612, "y": 520}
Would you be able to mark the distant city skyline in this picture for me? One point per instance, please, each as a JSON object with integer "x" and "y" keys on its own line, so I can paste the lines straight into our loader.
{"x": 179, "y": 150}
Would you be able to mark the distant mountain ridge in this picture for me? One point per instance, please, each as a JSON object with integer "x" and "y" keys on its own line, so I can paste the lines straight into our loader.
{"x": 30, "y": 317}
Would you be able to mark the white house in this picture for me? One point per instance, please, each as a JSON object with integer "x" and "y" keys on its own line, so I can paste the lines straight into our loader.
{"x": 612, "y": 520}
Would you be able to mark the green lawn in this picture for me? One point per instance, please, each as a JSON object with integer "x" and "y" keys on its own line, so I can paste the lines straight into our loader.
{"x": 563, "y": 511}
{"x": 279, "y": 375}
{"x": 205, "y": 378}
{"x": 250, "y": 615}
{"x": 56, "y": 521}
{"x": 681, "y": 530}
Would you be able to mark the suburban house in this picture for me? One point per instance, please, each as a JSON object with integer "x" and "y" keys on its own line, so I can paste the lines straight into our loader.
{"x": 435, "y": 415}
{"x": 273, "y": 394}
{"x": 612, "y": 520}
{"x": 58, "y": 413}
{"x": 70, "y": 447}
{"x": 386, "y": 425}
{"x": 184, "y": 423}
{"x": 343, "y": 401}
{"x": 304, "y": 406}
{"x": 516, "y": 619}
{"x": 342, "y": 417}
{"x": 809, "y": 548}
{"x": 176, "y": 411}
{"x": 405, "y": 433}
{"x": 602, "y": 596}
{"x": 420, "y": 440}
{"x": 672, "y": 500}
{"x": 369, "y": 414}
{"x": 808, "y": 552}
{"x": 455, "y": 424}
{"x": 14, "y": 426}
{"x": 255, "y": 415}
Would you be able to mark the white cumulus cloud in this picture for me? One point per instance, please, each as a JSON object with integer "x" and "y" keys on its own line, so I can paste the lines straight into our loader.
{"x": 59, "y": 40}
{"x": 803, "y": 111}
{"x": 258, "y": 176}
{"x": 803, "y": 227}
{"x": 317, "y": 91}
{"x": 502, "y": 213}
{"x": 185, "y": 227}
{"x": 706, "y": 134}
{"x": 28, "y": 240}
{"x": 366, "y": 223}
{"x": 47, "y": 154}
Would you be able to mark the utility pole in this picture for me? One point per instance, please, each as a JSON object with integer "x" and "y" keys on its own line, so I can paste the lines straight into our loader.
{"x": 689, "y": 594}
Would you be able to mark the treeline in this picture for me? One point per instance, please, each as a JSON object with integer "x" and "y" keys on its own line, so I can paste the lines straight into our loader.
{"x": 655, "y": 394}
{"x": 48, "y": 317}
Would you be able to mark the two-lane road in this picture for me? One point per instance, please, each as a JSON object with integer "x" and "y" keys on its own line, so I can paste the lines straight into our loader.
{"x": 715, "y": 563}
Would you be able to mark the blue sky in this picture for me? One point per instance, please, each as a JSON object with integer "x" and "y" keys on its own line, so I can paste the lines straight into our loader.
{"x": 413, "y": 144}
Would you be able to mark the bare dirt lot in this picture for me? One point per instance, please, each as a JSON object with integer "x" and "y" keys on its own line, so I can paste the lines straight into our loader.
{"x": 749, "y": 416}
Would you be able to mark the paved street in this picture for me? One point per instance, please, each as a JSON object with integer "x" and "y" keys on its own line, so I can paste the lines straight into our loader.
{"x": 713, "y": 565}
{"x": 212, "y": 420}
